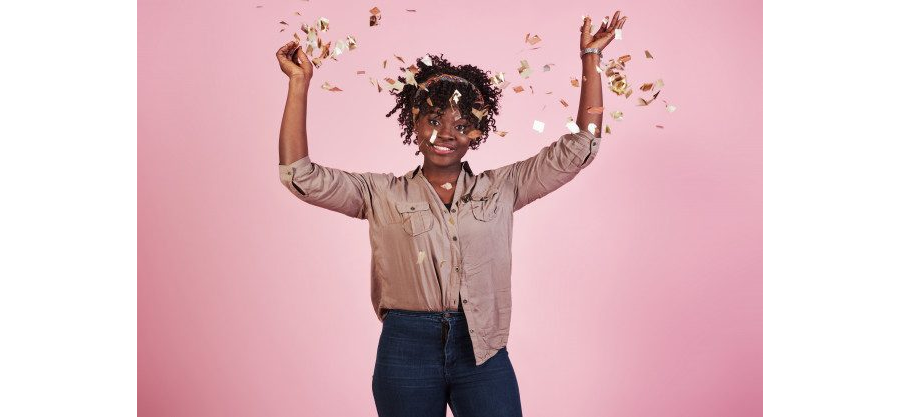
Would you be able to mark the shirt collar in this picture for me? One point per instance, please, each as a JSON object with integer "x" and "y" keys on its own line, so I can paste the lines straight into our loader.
{"x": 411, "y": 174}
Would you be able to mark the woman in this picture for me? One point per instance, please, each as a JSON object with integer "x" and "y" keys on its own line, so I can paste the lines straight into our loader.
{"x": 440, "y": 234}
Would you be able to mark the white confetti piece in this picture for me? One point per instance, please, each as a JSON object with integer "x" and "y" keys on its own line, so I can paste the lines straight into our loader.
{"x": 538, "y": 126}
{"x": 426, "y": 60}
{"x": 573, "y": 127}
{"x": 592, "y": 128}
{"x": 433, "y": 135}
{"x": 670, "y": 108}
{"x": 619, "y": 34}
{"x": 421, "y": 257}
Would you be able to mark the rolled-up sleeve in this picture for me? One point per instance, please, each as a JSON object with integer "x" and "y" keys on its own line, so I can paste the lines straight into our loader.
{"x": 553, "y": 166}
{"x": 330, "y": 188}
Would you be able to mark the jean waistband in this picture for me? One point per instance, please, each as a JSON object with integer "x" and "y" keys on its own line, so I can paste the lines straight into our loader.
{"x": 428, "y": 314}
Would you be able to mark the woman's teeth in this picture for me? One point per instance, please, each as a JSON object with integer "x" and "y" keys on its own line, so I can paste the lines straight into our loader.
{"x": 442, "y": 149}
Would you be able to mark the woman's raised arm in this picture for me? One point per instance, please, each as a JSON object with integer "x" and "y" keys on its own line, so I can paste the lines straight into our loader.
{"x": 292, "y": 139}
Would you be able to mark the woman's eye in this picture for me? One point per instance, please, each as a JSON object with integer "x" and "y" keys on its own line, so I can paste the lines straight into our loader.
{"x": 461, "y": 128}
{"x": 433, "y": 122}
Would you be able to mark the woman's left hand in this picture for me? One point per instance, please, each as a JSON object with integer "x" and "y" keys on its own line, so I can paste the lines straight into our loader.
{"x": 604, "y": 36}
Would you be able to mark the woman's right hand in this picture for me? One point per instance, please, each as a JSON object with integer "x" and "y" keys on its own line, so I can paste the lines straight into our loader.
{"x": 294, "y": 62}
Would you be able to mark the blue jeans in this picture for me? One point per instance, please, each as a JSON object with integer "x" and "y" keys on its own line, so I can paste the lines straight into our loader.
{"x": 425, "y": 362}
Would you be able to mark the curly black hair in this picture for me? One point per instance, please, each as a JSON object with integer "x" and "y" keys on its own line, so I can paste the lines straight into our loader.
{"x": 441, "y": 91}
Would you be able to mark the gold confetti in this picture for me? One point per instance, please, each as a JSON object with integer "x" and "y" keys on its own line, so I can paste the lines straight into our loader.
{"x": 322, "y": 24}
{"x": 375, "y": 16}
{"x": 447, "y": 186}
{"x": 502, "y": 133}
{"x": 659, "y": 126}
{"x": 329, "y": 87}
{"x": 531, "y": 40}
{"x": 659, "y": 83}
{"x": 360, "y": 72}
{"x": 546, "y": 68}
{"x": 297, "y": 37}
{"x": 375, "y": 83}
{"x": 384, "y": 64}
{"x": 646, "y": 87}
{"x": 595, "y": 110}
{"x": 628, "y": 93}
{"x": 532, "y": 89}
{"x": 608, "y": 129}
{"x": 617, "y": 115}
{"x": 411, "y": 10}
{"x": 351, "y": 42}
{"x": 538, "y": 126}
{"x": 518, "y": 89}
{"x": 524, "y": 69}
{"x": 574, "y": 82}
{"x": 647, "y": 53}
{"x": 479, "y": 114}
{"x": 563, "y": 102}
{"x": 283, "y": 22}
{"x": 400, "y": 59}
{"x": 421, "y": 257}
{"x": 282, "y": 30}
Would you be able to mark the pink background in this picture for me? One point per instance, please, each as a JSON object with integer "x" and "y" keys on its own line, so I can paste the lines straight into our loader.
{"x": 637, "y": 287}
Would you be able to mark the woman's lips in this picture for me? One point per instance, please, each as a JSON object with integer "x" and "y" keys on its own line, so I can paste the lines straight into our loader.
{"x": 441, "y": 150}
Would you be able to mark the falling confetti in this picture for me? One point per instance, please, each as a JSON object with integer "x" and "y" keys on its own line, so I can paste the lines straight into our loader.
{"x": 538, "y": 126}
{"x": 375, "y": 16}
{"x": 659, "y": 126}
{"x": 646, "y": 87}
{"x": 608, "y": 130}
{"x": 618, "y": 33}
{"x": 447, "y": 186}
{"x": 502, "y": 133}
{"x": 399, "y": 58}
{"x": 647, "y": 53}
{"x": 426, "y": 60}
{"x": 322, "y": 24}
{"x": 546, "y": 67}
{"x": 433, "y": 135}
{"x": 360, "y": 72}
{"x": 524, "y": 70}
{"x": 283, "y": 22}
{"x": 518, "y": 89}
{"x": 572, "y": 126}
{"x": 592, "y": 128}
{"x": 563, "y": 102}
{"x": 329, "y": 87}
{"x": 574, "y": 82}
{"x": 617, "y": 115}
{"x": 531, "y": 40}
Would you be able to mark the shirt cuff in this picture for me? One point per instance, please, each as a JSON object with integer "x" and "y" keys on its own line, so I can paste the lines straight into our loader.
{"x": 288, "y": 172}
{"x": 585, "y": 147}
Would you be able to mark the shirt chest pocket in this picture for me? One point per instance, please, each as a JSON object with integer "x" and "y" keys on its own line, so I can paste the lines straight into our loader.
{"x": 416, "y": 217}
{"x": 486, "y": 207}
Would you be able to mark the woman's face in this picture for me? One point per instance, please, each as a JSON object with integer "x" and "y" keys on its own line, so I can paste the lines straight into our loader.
{"x": 449, "y": 130}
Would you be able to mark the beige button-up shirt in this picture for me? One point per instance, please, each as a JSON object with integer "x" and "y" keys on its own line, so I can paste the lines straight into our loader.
{"x": 426, "y": 257}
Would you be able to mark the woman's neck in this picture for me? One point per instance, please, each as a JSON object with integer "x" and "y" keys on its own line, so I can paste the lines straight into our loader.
{"x": 441, "y": 175}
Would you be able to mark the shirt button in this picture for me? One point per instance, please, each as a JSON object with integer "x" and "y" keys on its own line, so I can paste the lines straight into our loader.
{"x": 412, "y": 208}
{"x": 453, "y": 210}
{"x": 457, "y": 268}
{"x": 465, "y": 301}
{"x": 454, "y": 237}
{"x": 471, "y": 331}
{"x": 446, "y": 314}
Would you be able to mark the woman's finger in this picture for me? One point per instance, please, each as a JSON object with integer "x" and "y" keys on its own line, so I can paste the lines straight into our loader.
{"x": 621, "y": 23}
{"x": 302, "y": 59}
{"x": 604, "y": 25}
